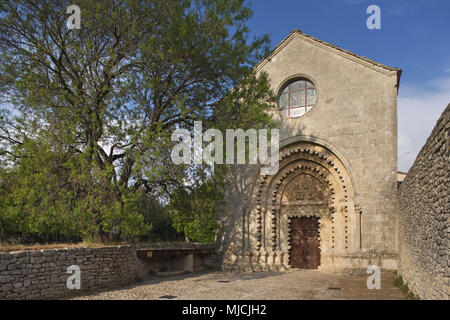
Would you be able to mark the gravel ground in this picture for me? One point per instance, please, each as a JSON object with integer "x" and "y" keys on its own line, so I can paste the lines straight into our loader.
{"x": 293, "y": 284}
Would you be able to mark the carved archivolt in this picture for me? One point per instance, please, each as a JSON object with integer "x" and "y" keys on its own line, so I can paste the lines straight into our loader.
{"x": 311, "y": 180}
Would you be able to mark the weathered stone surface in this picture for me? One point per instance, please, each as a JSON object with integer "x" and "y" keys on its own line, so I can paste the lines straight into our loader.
{"x": 423, "y": 217}
{"x": 338, "y": 162}
{"x": 43, "y": 274}
{"x": 5, "y": 279}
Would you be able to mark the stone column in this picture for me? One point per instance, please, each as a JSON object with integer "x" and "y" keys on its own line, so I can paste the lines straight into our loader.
{"x": 263, "y": 260}
{"x": 189, "y": 262}
{"x": 279, "y": 260}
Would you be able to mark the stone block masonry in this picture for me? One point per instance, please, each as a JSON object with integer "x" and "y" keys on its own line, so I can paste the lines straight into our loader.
{"x": 423, "y": 217}
{"x": 338, "y": 163}
{"x": 42, "y": 274}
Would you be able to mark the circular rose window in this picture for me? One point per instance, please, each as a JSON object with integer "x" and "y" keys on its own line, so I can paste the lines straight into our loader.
{"x": 297, "y": 98}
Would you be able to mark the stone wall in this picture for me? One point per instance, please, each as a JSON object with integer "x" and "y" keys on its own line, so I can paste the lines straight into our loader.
{"x": 42, "y": 274}
{"x": 423, "y": 217}
{"x": 350, "y": 135}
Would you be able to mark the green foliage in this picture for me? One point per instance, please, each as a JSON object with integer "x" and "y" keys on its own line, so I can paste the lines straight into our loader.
{"x": 398, "y": 282}
{"x": 157, "y": 215}
{"x": 44, "y": 198}
{"x": 86, "y": 115}
{"x": 195, "y": 212}
{"x": 34, "y": 199}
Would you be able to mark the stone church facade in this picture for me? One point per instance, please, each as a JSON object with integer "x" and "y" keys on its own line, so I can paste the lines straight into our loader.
{"x": 332, "y": 203}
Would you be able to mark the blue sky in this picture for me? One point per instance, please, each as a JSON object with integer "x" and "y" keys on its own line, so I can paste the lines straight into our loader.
{"x": 414, "y": 36}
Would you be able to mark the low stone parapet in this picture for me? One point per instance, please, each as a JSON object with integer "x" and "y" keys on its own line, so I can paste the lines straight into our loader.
{"x": 56, "y": 273}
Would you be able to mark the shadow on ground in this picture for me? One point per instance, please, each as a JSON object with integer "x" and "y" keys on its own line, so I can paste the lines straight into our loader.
{"x": 289, "y": 285}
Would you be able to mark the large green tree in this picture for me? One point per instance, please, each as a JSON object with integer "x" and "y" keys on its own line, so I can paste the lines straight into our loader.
{"x": 87, "y": 114}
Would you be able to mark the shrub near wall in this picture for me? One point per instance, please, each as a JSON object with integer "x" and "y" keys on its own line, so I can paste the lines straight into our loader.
{"x": 42, "y": 274}
{"x": 423, "y": 216}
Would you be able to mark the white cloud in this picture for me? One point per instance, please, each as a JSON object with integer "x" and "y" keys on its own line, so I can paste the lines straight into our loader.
{"x": 419, "y": 107}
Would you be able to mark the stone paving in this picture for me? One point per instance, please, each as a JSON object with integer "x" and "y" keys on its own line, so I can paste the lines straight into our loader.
{"x": 290, "y": 285}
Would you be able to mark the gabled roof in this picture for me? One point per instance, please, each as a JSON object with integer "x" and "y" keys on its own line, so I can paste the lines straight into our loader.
{"x": 331, "y": 47}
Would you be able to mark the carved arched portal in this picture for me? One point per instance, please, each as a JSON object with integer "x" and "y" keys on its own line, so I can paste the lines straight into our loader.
{"x": 311, "y": 182}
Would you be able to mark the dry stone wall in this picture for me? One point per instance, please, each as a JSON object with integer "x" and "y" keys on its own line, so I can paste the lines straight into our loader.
{"x": 42, "y": 274}
{"x": 423, "y": 217}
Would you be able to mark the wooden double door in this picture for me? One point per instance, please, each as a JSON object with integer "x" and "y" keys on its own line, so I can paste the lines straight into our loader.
{"x": 305, "y": 245}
